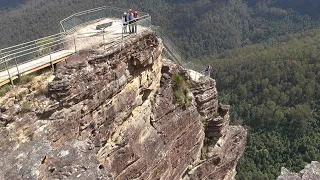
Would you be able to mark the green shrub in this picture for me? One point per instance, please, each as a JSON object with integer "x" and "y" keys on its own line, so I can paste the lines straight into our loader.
{"x": 43, "y": 90}
{"x": 4, "y": 89}
{"x": 152, "y": 101}
{"x": 180, "y": 90}
{"x": 26, "y": 107}
{"x": 21, "y": 95}
{"x": 215, "y": 115}
{"x": 26, "y": 78}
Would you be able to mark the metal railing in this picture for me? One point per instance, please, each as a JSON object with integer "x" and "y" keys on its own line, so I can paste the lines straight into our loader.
{"x": 173, "y": 52}
{"x": 15, "y": 60}
{"x": 170, "y": 49}
{"x": 108, "y": 38}
{"x": 70, "y": 23}
{"x": 29, "y": 51}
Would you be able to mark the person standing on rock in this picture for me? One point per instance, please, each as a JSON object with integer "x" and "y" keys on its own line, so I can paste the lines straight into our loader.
{"x": 207, "y": 70}
{"x": 130, "y": 16}
{"x": 135, "y": 17}
{"x": 124, "y": 22}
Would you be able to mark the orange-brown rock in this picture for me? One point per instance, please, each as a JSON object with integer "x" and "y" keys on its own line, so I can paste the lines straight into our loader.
{"x": 111, "y": 115}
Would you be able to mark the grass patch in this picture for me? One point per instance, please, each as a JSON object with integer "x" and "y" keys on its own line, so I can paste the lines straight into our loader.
{"x": 26, "y": 78}
{"x": 180, "y": 90}
{"x": 203, "y": 122}
{"x": 152, "y": 101}
{"x": 4, "y": 89}
{"x": 215, "y": 115}
{"x": 25, "y": 107}
{"x": 43, "y": 90}
{"x": 21, "y": 95}
{"x": 208, "y": 143}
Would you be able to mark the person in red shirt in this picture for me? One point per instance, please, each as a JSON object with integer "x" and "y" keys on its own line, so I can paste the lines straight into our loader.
{"x": 135, "y": 19}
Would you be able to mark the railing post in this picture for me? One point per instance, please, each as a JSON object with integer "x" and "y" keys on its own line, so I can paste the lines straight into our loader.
{"x": 75, "y": 45}
{"x": 123, "y": 31}
{"x": 52, "y": 67}
{"x": 15, "y": 60}
{"x": 6, "y": 64}
{"x": 74, "y": 21}
{"x": 104, "y": 43}
{"x": 64, "y": 37}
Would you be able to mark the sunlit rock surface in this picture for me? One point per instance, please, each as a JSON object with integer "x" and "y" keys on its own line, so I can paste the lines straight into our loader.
{"x": 310, "y": 172}
{"x": 111, "y": 115}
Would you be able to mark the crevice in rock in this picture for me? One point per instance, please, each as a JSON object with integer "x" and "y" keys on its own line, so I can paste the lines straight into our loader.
{"x": 145, "y": 94}
{"x": 152, "y": 124}
{"x": 166, "y": 114}
{"x": 128, "y": 166}
{"x": 200, "y": 103}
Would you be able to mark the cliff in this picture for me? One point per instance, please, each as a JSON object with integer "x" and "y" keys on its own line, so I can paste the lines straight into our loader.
{"x": 310, "y": 172}
{"x": 112, "y": 115}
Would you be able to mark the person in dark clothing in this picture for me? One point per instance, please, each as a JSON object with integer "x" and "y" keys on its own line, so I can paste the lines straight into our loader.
{"x": 124, "y": 22}
{"x": 207, "y": 70}
{"x": 130, "y": 18}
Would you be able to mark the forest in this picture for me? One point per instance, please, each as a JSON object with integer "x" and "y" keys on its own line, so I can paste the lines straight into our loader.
{"x": 264, "y": 53}
{"x": 199, "y": 27}
{"x": 274, "y": 91}
{"x": 7, "y": 4}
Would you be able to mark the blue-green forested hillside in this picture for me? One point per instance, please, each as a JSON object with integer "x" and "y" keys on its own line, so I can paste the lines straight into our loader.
{"x": 265, "y": 56}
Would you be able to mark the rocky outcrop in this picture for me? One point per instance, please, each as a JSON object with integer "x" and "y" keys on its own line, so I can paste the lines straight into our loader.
{"x": 310, "y": 172}
{"x": 111, "y": 115}
{"x": 224, "y": 144}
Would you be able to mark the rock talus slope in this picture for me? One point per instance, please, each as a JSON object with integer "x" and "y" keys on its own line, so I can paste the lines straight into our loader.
{"x": 111, "y": 115}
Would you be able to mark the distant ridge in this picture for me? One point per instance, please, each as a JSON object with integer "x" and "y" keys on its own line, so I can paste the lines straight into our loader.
{"x": 5, "y": 4}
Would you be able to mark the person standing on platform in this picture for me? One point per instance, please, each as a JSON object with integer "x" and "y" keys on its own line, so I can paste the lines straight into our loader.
{"x": 130, "y": 16}
{"x": 135, "y": 17}
{"x": 124, "y": 22}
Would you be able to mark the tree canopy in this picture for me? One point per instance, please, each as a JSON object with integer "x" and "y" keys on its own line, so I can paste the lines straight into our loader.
{"x": 264, "y": 53}
{"x": 274, "y": 91}
{"x": 200, "y": 27}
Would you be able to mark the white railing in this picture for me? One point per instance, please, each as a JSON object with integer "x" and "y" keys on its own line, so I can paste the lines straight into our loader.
{"x": 18, "y": 59}
{"x": 70, "y": 23}
{"x": 173, "y": 52}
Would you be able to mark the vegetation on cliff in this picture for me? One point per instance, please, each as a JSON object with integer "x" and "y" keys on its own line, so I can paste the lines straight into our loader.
{"x": 274, "y": 90}
{"x": 267, "y": 71}
{"x": 180, "y": 90}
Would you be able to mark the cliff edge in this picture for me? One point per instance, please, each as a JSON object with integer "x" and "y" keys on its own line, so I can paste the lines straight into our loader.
{"x": 115, "y": 115}
{"x": 310, "y": 172}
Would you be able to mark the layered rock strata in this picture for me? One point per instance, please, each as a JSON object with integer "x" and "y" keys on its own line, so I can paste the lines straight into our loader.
{"x": 310, "y": 172}
{"x": 111, "y": 115}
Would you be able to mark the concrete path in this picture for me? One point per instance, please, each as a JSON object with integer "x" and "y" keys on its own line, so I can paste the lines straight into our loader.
{"x": 85, "y": 38}
{"x": 196, "y": 76}
{"x": 4, "y": 75}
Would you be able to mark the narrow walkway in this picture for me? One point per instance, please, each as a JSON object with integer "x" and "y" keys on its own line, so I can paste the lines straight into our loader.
{"x": 85, "y": 38}
{"x": 32, "y": 64}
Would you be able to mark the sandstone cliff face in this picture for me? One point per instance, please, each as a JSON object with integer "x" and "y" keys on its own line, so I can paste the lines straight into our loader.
{"x": 111, "y": 115}
{"x": 310, "y": 172}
